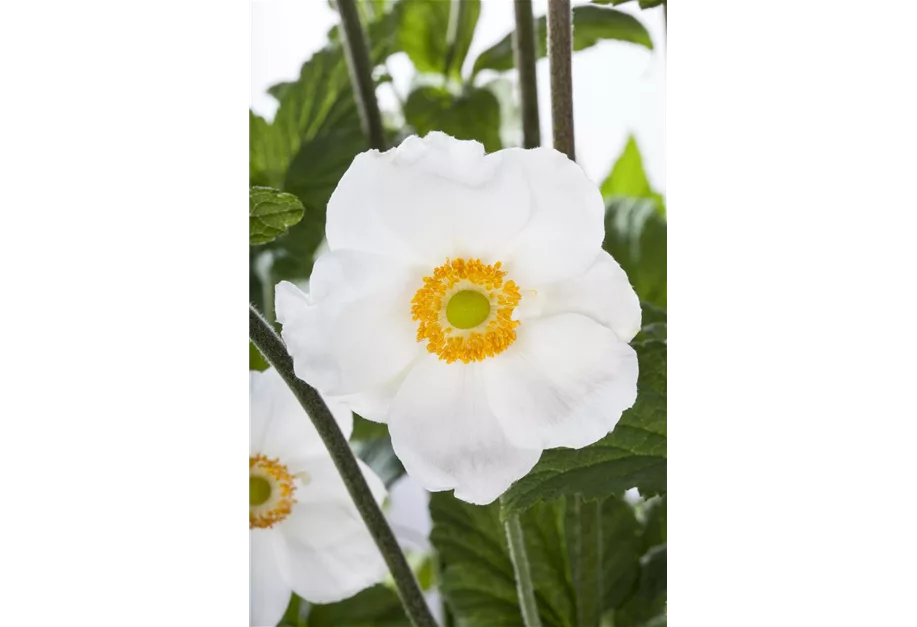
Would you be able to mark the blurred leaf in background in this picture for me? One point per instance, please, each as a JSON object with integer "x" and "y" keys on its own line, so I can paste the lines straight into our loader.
{"x": 475, "y": 114}
{"x": 437, "y": 35}
{"x": 590, "y": 24}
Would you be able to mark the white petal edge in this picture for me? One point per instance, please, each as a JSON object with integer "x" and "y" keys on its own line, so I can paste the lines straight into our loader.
{"x": 354, "y": 330}
{"x": 447, "y": 436}
{"x": 428, "y": 199}
{"x": 270, "y": 593}
{"x": 564, "y": 382}
{"x": 279, "y": 426}
{"x": 567, "y": 222}
{"x": 322, "y": 571}
{"x": 603, "y": 292}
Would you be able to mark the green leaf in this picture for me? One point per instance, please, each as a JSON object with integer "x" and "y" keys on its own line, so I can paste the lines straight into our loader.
{"x": 646, "y": 606}
{"x": 584, "y": 548}
{"x": 472, "y": 115}
{"x": 654, "y": 522}
{"x": 627, "y": 177}
{"x": 374, "y": 607}
{"x": 270, "y": 214}
{"x": 635, "y": 235}
{"x": 478, "y": 583}
{"x": 633, "y": 455}
{"x": 591, "y": 23}
{"x": 424, "y": 33}
{"x": 313, "y": 139}
{"x": 621, "y": 550}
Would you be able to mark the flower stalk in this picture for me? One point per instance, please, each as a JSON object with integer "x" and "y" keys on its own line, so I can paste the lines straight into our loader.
{"x": 560, "y": 60}
{"x": 524, "y": 586}
{"x": 272, "y": 347}
{"x": 360, "y": 67}
{"x": 524, "y": 44}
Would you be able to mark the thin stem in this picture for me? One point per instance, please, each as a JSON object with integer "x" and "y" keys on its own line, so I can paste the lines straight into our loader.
{"x": 560, "y": 59}
{"x": 524, "y": 586}
{"x": 271, "y": 346}
{"x": 525, "y": 53}
{"x": 361, "y": 72}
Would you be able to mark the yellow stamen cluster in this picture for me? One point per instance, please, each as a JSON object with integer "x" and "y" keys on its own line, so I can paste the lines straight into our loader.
{"x": 489, "y": 338}
{"x": 281, "y": 501}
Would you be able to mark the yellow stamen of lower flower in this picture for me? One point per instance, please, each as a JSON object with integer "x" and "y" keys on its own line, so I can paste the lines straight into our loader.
{"x": 459, "y": 326}
{"x": 271, "y": 491}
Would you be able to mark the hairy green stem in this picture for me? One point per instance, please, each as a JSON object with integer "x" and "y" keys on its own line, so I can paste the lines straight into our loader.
{"x": 560, "y": 59}
{"x": 272, "y": 347}
{"x": 525, "y": 54}
{"x": 361, "y": 72}
{"x": 585, "y": 522}
{"x": 524, "y": 586}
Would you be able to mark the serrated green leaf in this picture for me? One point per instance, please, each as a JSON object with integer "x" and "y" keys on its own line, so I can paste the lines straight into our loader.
{"x": 271, "y": 213}
{"x": 478, "y": 583}
{"x": 635, "y": 235}
{"x": 424, "y": 33}
{"x": 633, "y": 455}
{"x": 374, "y": 607}
{"x": 472, "y": 115}
{"x": 591, "y": 24}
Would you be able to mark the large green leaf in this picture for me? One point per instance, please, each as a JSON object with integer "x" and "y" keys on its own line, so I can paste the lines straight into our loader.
{"x": 271, "y": 213}
{"x": 374, "y": 607}
{"x": 478, "y": 583}
{"x": 635, "y": 235}
{"x": 633, "y": 455}
{"x": 474, "y": 114}
{"x": 312, "y": 141}
{"x": 426, "y": 35}
{"x": 591, "y": 23}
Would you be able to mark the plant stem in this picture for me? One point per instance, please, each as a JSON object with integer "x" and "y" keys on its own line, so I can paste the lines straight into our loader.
{"x": 560, "y": 59}
{"x": 361, "y": 72}
{"x": 525, "y": 53}
{"x": 524, "y": 586}
{"x": 271, "y": 346}
{"x": 585, "y": 524}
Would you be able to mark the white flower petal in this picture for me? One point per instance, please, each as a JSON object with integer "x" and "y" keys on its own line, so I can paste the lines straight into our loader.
{"x": 428, "y": 199}
{"x": 567, "y": 222}
{"x": 270, "y": 594}
{"x": 446, "y": 435}
{"x": 279, "y": 426}
{"x": 324, "y": 483}
{"x": 603, "y": 292}
{"x": 354, "y": 329}
{"x": 328, "y": 554}
{"x": 564, "y": 382}
{"x": 374, "y": 404}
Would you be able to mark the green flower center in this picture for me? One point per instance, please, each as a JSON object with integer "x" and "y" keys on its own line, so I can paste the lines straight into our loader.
{"x": 259, "y": 490}
{"x": 467, "y": 309}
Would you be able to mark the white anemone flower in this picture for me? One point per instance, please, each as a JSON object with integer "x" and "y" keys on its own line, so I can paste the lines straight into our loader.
{"x": 306, "y": 534}
{"x": 467, "y": 302}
